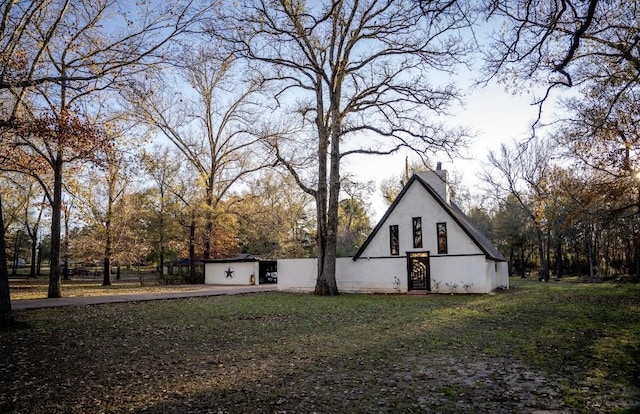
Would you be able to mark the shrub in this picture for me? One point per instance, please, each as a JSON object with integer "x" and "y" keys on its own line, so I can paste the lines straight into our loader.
{"x": 183, "y": 277}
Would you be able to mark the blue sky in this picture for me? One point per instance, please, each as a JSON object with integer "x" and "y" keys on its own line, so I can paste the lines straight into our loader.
{"x": 496, "y": 115}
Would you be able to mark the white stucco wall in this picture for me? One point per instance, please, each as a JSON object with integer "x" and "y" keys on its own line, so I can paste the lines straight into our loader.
{"x": 215, "y": 273}
{"x": 468, "y": 274}
{"x": 458, "y": 242}
{"x": 458, "y": 274}
{"x": 372, "y": 276}
{"x": 362, "y": 276}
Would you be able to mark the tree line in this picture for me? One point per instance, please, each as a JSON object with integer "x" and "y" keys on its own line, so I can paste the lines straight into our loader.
{"x": 294, "y": 88}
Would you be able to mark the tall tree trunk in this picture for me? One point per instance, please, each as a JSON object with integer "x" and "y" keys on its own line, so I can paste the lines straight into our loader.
{"x": 576, "y": 264}
{"x": 33, "y": 235}
{"x": 34, "y": 255}
{"x": 65, "y": 269}
{"x": 56, "y": 207}
{"x": 607, "y": 256}
{"x": 192, "y": 248}
{"x": 559, "y": 259}
{"x": 65, "y": 250}
{"x": 523, "y": 273}
{"x": 629, "y": 254}
{"x": 637, "y": 273}
{"x": 161, "y": 255}
{"x": 548, "y": 253}
{"x": 596, "y": 254}
{"x": 544, "y": 265}
{"x": 16, "y": 252}
{"x": 106, "y": 275}
{"x": 6, "y": 314}
{"x": 208, "y": 224}
{"x": 636, "y": 241}
{"x": 590, "y": 252}
{"x": 39, "y": 259}
{"x": 326, "y": 247}
{"x": 322, "y": 281}
{"x": 328, "y": 194}
{"x": 208, "y": 230}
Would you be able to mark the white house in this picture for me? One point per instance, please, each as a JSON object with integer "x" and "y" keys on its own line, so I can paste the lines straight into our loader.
{"x": 424, "y": 242}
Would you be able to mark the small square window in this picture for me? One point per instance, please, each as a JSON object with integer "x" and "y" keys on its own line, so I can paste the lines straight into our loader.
{"x": 394, "y": 242}
{"x": 442, "y": 237}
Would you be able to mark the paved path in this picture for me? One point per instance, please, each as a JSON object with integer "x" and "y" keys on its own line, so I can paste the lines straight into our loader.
{"x": 202, "y": 290}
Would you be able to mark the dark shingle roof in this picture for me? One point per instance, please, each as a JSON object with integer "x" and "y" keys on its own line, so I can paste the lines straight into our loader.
{"x": 242, "y": 257}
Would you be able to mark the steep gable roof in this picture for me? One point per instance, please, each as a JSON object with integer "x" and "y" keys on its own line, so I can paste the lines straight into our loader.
{"x": 490, "y": 251}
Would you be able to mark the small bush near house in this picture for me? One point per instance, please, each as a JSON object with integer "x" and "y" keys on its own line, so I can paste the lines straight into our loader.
{"x": 183, "y": 277}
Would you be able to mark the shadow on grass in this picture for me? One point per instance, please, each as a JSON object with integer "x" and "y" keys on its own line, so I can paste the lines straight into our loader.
{"x": 541, "y": 346}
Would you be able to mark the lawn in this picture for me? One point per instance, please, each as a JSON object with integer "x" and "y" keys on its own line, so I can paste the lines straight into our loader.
{"x": 37, "y": 288}
{"x": 558, "y": 346}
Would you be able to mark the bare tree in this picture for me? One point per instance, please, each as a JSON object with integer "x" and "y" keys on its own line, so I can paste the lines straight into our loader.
{"x": 87, "y": 45}
{"x": 31, "y": 210}
{"x": 522, "y": 172}
{"x": 209, "y": 116}
{"x": 56, "y": 56}
{"x": 162, "y": 167}
{"x": 273, "y": 216}
{"x": 592, "y": 47}
{"x": 185, "y": 190}
{"x": 392, "y": 186}
{"x": 605, "y": 139}
{"x": 566, "y": 43}
{"x": 353, "y": 217}
{"x": 357, "y": 77}
{"x": 104, "y": 188}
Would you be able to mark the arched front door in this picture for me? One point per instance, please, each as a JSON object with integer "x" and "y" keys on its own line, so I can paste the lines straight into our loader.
{"x": 418, "y": 269}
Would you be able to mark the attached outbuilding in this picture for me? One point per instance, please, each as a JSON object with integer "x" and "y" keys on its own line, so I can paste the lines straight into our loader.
{"x": 244, "y": 269}
{"x": 424, "y": 242}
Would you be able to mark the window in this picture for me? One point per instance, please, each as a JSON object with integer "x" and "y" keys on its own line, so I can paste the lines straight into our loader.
{"x": 394, "y": 243}
{"x": 442, "y": 237}
{"x": 417, "y": 232}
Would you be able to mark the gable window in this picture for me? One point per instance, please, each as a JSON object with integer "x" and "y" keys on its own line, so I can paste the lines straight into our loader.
{"x": 442, "y": 237}
{"x": 417, "y": 232}
{"x": 394, "y": 242}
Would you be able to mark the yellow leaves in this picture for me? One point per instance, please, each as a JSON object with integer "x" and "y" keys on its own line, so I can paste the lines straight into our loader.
{"x": 23, "y": 159}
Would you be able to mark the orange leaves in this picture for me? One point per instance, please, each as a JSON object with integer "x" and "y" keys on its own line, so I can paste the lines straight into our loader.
{"x": 66, "y": 130}
{"x": 33, "y": 146}
{"x": 23, "y": 160}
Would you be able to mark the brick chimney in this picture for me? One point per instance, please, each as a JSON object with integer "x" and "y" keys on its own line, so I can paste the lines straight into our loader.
{"x": 439, "y": 181}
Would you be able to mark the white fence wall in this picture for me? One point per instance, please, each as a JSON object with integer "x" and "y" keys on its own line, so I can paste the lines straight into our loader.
{"x": 502, "y": 278}
{"x": 365, "y": 276}
{"x": 297, "y": 274}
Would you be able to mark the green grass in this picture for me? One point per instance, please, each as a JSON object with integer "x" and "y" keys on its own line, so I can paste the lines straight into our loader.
{"x": 559, "y": 346}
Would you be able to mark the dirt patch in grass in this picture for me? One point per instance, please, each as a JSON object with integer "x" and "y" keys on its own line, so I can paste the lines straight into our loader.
{"x": 540, "y": 348}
